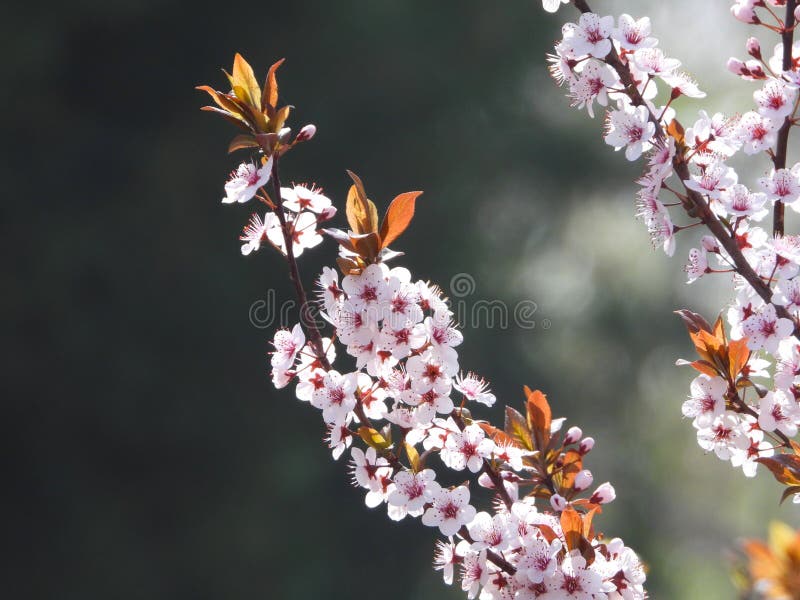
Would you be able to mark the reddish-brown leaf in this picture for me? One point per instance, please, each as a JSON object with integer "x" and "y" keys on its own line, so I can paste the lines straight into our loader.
{"x": 241, "y": 142}
{"x": 398, "y": 216}
{"x": 245, "y": 83}
{"x": 784, "y": 467}
{"x": 269, "y": 99}
{"x": 516, "y": 427}
{"x": 572, "y": 526}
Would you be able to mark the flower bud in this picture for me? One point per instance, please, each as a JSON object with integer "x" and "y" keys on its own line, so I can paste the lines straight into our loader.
{"x": 573, "y": 435}
{"x": 797, "y": 13}
{"x": 755, "y": 70}
{"x": 306, "y": 133}
{"x": 558, "y": 502}
{"x": 586, "y": 445}
{"x": 284, "y": 134}
{"x": 753, "y": 48}
{"x": 485, "y": 481}
{"x": 736, "y": 66}
{"x": 327, "y": 214}
{"x": 709, "y": 242}
{"x": 604, "y": 494}
{"x": 745, "y": 13}
{"x": 583, "y": 480}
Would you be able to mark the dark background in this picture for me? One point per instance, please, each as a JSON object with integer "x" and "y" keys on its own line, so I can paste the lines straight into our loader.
{"x": 147, "y": 455}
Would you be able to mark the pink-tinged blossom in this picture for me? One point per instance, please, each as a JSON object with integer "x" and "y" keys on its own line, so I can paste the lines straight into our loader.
{"x": 467, "y": 449}
{"x": 723, "y": 435}
{"x": 788, "y": 247}
{"x": 779, "y": 411}
{"x": 489, "y": 532}
{"x": 474, "y": 573}
{"x": 402, "y": 306}
{"x": 328, "y": 288}
{"x": 558, "y": 502}
{"x": 475, "y": 389}
{"x": 368, "y": 290}
{"x": 411, "y": 492}
{"x": 431, "y": 299}
{"x": 756, "y": 133}
{"x": 744, "y": 11}
{"x": 592, "y": 84}
{"x": 428, "y": 404}
{"x": 776, "y": 62}
{"x": 590, "y": 35}
{"x": 401, "y": 341}
{"x": 443, "y": 336}
{"x": 738, "y": 201}
{"x": 255, "y": 232}
{"x": 450, "y": 510}
{"x": 715, "y": 178}
{"x": 697, "y": 266}
{"x": 245, "y": 181}
{"x": 445, "y": 558}
{"x": 337, "y": 396}
{"x": 683, "y": 84}
{"x": 631, "y": 129}
{"x": 575, "y": 580}
{"x": 765, "y": 330}
{"x": 583, "y": 479}
{"x": 633, "y": 34}
{"x": 783, "y": 185}
{"x": 428, "y": 372}
{"x": 758, "y": 447}
{"x": 301, "y": 197}
{"x": 302, "y": 231}
{"x": 787, "y": 294}
{"x": 707, "y": 400}
{"x": 776, "y": 100}
{"x": 787, "y": 368}
{"x": 339, "y": 438}
{"x": 539, "y": 561}
{"x": 371, "y": 472}
{"x": 287, "y": 344}
{"x": 653, "y": 62}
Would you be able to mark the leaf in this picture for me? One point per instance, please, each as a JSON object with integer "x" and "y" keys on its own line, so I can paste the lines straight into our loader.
{"x": 413, "y": 456}
{"x": 269, "y": 99}
{"x": 362, "y": 215}
{"x": 573, "y": 463}
{"x": 705, "y": 367}
{"x": 539, "y": 416}
{"x": 693, "y": 321}
{"x": 516, "y": 427}
{"x": 572, "y": 526}
{"x": 675, "y": 130}
{"x": 241, "y": 142}
{"x": 398, "y": 216}
{"x": 244, "y": 79}
{"x": 348, "y": 266}
{"x": 498, "y": 436}
{"x": 738, "y": 355}
{"x": 366, "y": 245}
{"x": 276, "y": 122}
{"x": 373, "y": 438}
{"x": 784, "y": 467}
{"x": 342, "y": 237}
{"x": 789, "y": 491}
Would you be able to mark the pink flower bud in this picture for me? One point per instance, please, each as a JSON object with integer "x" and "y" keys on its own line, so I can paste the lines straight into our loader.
{"x": 755, "y": 70}
{"x": 710, "y": 244}
{"x": 485, "y": 481}
{"x": 583, "y": 480}
{"x": 306, "y": 133}
{"x": 736, "y": 66}
{"x": 753, "y": 48}
{"x": 745, "y": 13}
{"x": 573, "y": 435}
{"x": 797, "y": 13}
{"x": 586, "y": 445}
{"x": 327, "y": 214}
{"x": 558, "y": 502}
{"x": 604, "y": 494}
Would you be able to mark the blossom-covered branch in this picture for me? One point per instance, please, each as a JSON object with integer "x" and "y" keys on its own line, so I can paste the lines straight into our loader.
{"x": 744, "y": 404}
{"x": 398, "y": 400}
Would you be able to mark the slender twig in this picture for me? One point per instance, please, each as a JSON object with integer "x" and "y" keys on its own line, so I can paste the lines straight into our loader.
{"x": 779, "y": 159}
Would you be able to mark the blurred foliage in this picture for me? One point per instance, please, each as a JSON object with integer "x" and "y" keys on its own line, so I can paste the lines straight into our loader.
{"x": 148, "y": 456}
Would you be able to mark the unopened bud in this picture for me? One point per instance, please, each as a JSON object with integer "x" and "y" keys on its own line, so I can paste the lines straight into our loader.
{"x": 284, "y": 134}
{"x": 306, "y": 133}
{"x": 558, "y": 502}
{"x": 755, "y": 70}
{"x": 573, "y": 435}
{"x": 586, "y": 445}
{"x": 753, "y": 48}
{"x": 485, "y": 481}
{"x": 745, "y": 13}
{"x": 736, "y": 66}
{"x": 583, "y": 480}
{"x": 797, "y": 13}
{"x": 327, "y": 214}
{"x": 604, "y": 494}
{"x": 709, "y": 242}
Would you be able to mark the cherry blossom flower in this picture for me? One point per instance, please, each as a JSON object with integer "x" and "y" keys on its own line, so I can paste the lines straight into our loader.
{"x": 411, "y": 492}
{"x": 371, "y": 472}
{"x": 467, "y": 449}
{"x": 592, "y": 84}
{"x": 255, "y": 232}
{"x": 697, "y": 265}
{"x": 368, "y": 290}
{"x": 301, "y": 197}
{"x": 779, "y": 411}
{"x": 287, "y": 345}
{"x": 787, "y": 293}
{"x": 475, "y": 389}
{"x": 653, "y": 62}
{"x": 302, "y": 230}
{"x": 715, "y": 178}
{"x": 758, "y": 447}
{"x": 337, "y": 396}
{"x": 489, "y": 531}
{"x": 723, "y": 435}
{"x": 631, "y": 129}
{"x": 474, "y": 573}
{"x": 428, "y": 372}
{"x": 707, "y": 400}
{"x": 539, "y": 561}
{"x": 574, "y": 580}
{"x": 776, "y": 100}
{"x": 765, "y": 330}
{"x": 590, "y": 35}
{"x": 783, "y": 185}
{"x": 450, "y": 510}
{"x": 776, "y": 62}
{"x": 245, "y": 181}
{"x": 738, "y": 201}
{"x": 551, "y": 6}
{"x": 445, "y": 558}
{"x": 633, "y": 34}
{"x": 756, "y": 133}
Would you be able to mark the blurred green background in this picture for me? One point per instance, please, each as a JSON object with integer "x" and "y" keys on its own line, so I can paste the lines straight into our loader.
{"x": 147, "y": 455}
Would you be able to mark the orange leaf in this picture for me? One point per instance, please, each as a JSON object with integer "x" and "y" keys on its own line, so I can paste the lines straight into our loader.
{"x": 784, "y": 467}
{"x": 539, "y": 416}
{"x": 269, "y": 99}
{"x": 738, "y": 355}
{"x": 398, "y": 216}
{"x": 675, "y": 130}
{"x": 517, "y": 428}
{"x": 705, "y": 367}
{"x": 244, "y": 79}
{"x": 572, "y": 526}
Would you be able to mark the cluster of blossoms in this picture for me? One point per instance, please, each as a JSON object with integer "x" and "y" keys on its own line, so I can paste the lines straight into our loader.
{"x": 391, "y": 404}
{"x": 744, "y": 404}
